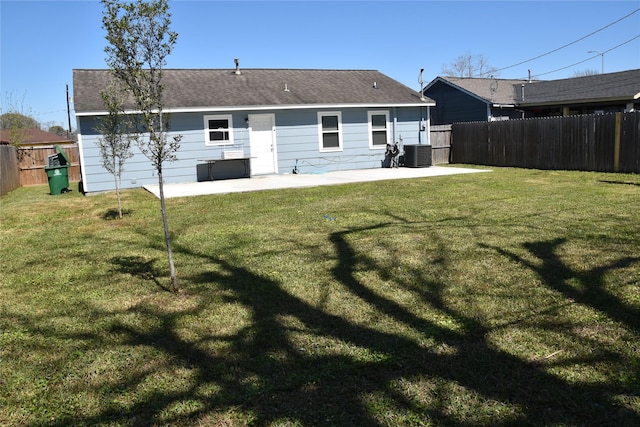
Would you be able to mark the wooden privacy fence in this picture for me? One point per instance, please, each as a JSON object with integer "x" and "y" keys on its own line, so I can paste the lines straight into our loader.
{"x": 33, "y": 159}
{"x": 9, "y": 172}
{"x": 440, "y": 138}
{"x": 602, "y": 142}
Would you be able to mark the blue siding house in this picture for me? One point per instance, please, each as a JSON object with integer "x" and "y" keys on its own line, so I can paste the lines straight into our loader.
{"x": 469, "y": 99}
{"x": 249, "y": 122}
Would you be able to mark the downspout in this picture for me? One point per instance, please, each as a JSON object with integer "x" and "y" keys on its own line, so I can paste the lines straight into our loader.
{"x": 427, "y": 126}
{"x": 83, "y": 173}
{"x": 422, "y": 126}
{"x": 395, "y": 123}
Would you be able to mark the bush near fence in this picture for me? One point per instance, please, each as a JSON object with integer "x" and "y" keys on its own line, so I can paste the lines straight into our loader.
{"x": 601, "y": 142}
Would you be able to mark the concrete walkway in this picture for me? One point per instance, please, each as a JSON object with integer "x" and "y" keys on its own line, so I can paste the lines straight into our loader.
{"x": 272, "y": 182}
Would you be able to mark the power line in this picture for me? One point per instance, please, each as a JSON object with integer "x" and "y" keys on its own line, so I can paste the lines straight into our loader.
{"x": 568, "y": 44}
{"x": 588, "y": 59}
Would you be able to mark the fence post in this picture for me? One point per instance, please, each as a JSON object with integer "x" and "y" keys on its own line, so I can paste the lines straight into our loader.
{"x": 616, "y": 146}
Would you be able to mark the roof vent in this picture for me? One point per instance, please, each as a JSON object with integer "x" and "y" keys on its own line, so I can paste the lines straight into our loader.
{"x": 375, "y": 85}
{"x": 237, "y": 62}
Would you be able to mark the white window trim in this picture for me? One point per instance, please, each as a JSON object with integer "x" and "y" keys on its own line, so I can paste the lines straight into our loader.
{"x": 209, "y": 143}
{"x": 321, "y": 114}
{"x": 370, "y": 124}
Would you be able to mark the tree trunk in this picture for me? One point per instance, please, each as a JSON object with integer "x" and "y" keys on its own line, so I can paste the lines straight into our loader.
{"x": 118, "y": 198}
{"x": 167, "y": 237}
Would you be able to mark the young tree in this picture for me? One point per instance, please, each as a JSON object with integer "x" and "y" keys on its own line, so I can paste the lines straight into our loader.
{"x": 117, "y": 133}
{"x": 139, "y": 42}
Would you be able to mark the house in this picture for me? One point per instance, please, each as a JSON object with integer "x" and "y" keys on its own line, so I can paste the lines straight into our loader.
{"x": 31, "y": 137}
{"x": 465, "y": 99}
{"x": 488, "y": 99}
{"x": 598, "y": 93}
{"x": 249, "y": 122}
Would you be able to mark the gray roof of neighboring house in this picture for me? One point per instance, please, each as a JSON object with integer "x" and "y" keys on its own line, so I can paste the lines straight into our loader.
{"x": 623, "y": 85}
{"x": 279, "y": 88}
{"x": 495, "y": 91}
{"x": 32, "y": 137}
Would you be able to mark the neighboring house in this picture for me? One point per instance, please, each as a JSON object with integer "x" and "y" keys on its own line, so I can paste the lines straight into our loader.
{"x": 466, "y": 99}
{"x": 479, "y": 99}
{"x": 283, "y": 120}
{"x": 31, "y": 137}
{"x": 598, "y": 93}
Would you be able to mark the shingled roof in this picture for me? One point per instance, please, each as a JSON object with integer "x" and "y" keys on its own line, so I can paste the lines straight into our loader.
{"x": 192, "y": 89}
{"x": 32, "y": 137}
{"x": 623, "y": 85}
{"x": 496, "y": 91}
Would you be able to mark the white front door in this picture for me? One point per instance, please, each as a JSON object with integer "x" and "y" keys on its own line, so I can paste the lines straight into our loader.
{"x": 262, "y": 138}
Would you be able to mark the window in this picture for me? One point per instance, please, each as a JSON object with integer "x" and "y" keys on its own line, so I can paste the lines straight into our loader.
{"x": 378, "y": 129}
{"x": 218, "y": 130}
{"x": 330, "y": 127}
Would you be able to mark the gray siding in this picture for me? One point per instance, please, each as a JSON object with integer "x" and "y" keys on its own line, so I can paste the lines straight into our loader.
{"x": 297, "y": 143}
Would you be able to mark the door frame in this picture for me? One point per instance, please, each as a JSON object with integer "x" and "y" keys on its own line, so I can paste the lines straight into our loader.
{"x": 274, "y": 146}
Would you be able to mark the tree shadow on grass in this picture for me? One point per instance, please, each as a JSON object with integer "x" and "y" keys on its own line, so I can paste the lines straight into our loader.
{"x": 555, "y": 274}
{"x": 494, "y": 374}
{"x": 139, "y": 267}
{"x": 273, "y": 378}
{"x": 605, "y": 181}
{"x": 111, "y": 214}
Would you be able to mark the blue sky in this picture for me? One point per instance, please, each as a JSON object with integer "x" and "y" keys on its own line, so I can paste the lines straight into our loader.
{"x": 43, "y": 41}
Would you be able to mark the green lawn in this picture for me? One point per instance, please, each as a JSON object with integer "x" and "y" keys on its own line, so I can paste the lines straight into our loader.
{"x": 509, "y": 297}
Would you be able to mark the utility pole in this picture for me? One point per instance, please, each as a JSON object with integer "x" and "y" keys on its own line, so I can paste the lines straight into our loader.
{"x": 68, "y": 114}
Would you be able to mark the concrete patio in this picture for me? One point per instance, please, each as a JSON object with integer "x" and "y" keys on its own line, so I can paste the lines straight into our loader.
{"x": 272, "y": 182}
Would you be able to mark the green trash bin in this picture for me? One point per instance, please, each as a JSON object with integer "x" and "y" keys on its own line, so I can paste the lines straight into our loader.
{"x": 58, "y": 177}
{"x": 58, "y": 172}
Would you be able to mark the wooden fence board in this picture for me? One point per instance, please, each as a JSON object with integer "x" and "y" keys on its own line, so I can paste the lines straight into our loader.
{"x": 33, "y": 159}
{"x": 9, "y": 172}
{"x": 440, "y": 138}
{"x": 629, "y": 153}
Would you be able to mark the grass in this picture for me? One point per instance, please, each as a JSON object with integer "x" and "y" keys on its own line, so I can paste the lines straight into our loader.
{"x": 503, "y": 298}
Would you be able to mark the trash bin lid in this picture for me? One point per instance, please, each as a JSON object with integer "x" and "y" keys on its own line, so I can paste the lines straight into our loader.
{"x": 60, "y": 150}
{"x": 50, "y": 168}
